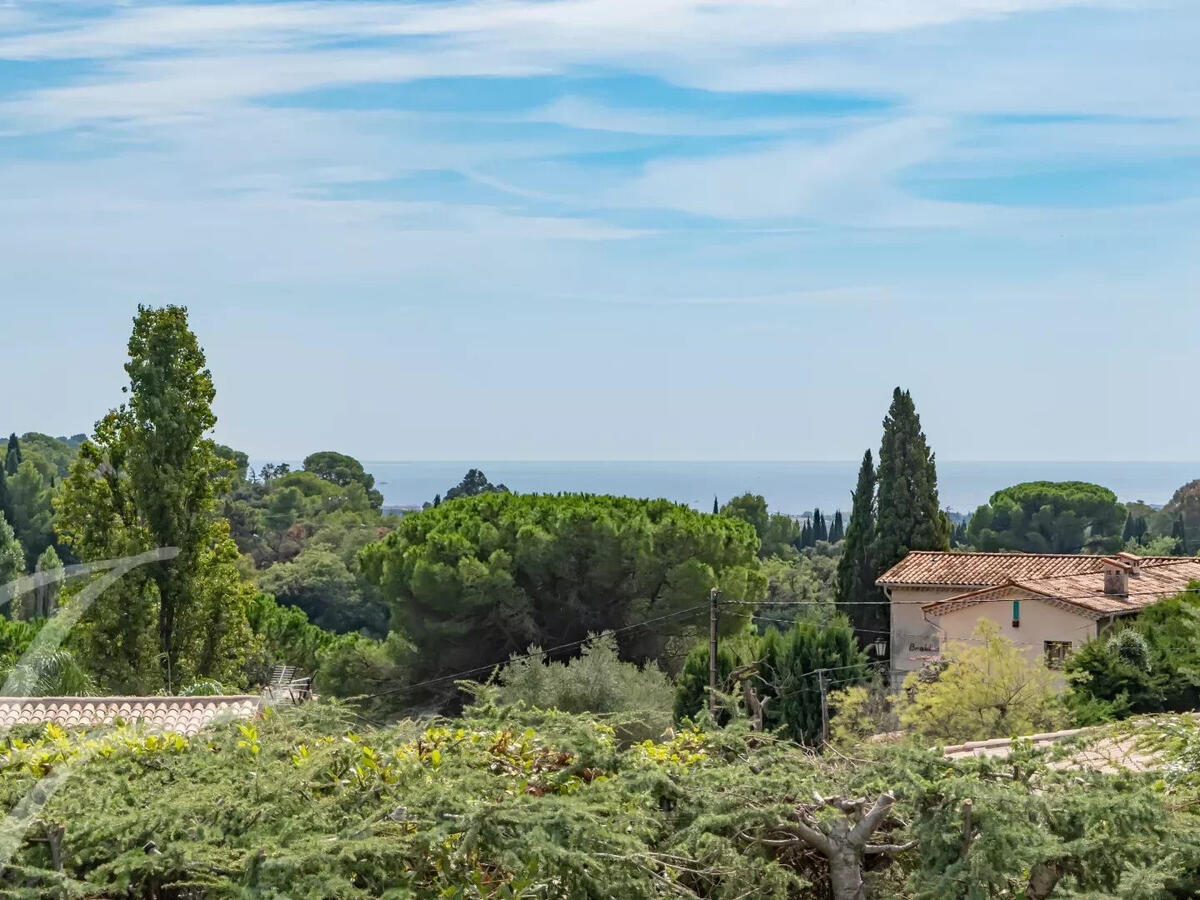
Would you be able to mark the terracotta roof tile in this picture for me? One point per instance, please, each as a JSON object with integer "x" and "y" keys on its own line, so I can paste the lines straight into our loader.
{"x": 183, "y": 715}
{"x": 1156, "y": 579}
{"x": 933, "y": 568}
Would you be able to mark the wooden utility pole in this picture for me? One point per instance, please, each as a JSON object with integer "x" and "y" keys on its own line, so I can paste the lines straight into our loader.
{"x": 713, "y": 596}
{"x": 824, "y": 707}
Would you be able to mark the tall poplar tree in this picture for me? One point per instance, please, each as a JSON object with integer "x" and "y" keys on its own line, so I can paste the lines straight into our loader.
{"x": 12, "y": 557}
{"x": 45, "y": 597}
{"x": 908, "y": 516}
{"x": 855, "y": 592}
{"x": 6, "y": 508}
{"x": 148, "y": 479}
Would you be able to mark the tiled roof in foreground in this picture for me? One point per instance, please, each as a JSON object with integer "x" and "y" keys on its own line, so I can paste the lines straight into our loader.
{"x": 935, "y": 568}
{"x": 1131, "y": 746}
{"x": 182, "y": 715}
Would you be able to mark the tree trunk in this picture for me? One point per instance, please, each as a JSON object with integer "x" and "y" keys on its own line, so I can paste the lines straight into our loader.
{"x": 845, "y": 873}
{"x": 1043, "y": 879}
{"x": 845, "y": 844}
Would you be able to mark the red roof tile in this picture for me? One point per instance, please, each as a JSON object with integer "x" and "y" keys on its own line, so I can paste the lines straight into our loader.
{"x": 933, "y": 568}
{"x": 1149, "y": 582}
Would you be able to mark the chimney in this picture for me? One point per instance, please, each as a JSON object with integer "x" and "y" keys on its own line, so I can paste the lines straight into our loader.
{"x": 1116, "y": 577}
{"x": 1133, "y": 561}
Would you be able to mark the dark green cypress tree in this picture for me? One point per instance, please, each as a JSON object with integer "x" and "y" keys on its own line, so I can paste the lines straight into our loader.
{"x": 958, "y": 535}
{"x": 716, "y": 506}
{"x": 1179, "y": 532}
{"x": 837, "y": 531}
{"x": 820, "y": 532}
{"x": 5, "y": 498}
{"x": 908, "y": 516}
{"x": 806, "y": 647}
{"x": 13, "y": 458}
{"x": 855, "y": 590}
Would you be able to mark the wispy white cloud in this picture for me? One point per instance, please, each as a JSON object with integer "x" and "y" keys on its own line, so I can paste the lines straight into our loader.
{"x": 180, "y": 59}
{"x": 840, "y": 296}
{"x": 555, "y": 25}
{"x": 577, "y": 112}
{"x": 158, "y": 169}
{"x": 846, "y": 180}
{"x": 163, "y": 88}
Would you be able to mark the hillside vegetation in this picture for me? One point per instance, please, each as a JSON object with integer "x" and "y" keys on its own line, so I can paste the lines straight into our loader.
{"x": 513, "y": 802}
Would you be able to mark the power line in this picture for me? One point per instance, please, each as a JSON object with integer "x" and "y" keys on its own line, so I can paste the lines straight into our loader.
{"x": 572, "y": 644}
{"x": 515, "y": 658}
{"x": 1166, "y": 592}
{"x": 823, "y": 603}
{"x": 878, "y": 664}
{"x": 758, "y": 618}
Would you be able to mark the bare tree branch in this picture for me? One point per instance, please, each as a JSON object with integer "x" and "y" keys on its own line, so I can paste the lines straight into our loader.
{"x": 818, "y": 840}
{"x": 871, "y": 821}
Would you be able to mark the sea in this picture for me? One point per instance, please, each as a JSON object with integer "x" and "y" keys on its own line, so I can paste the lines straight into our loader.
{"x": 789, "y": 487}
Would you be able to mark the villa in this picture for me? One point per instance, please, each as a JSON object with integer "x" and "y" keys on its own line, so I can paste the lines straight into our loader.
{"x": 1046, "y": 603}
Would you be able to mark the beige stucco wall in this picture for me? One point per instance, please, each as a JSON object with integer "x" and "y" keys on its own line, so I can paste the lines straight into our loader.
{"x": 913, "y": 639}
{"x": 1040, "y": 622}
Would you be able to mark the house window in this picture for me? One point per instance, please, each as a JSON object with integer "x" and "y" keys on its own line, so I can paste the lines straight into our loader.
{"x": 1056, "y": 653}
{"x": 1016, "y": 614}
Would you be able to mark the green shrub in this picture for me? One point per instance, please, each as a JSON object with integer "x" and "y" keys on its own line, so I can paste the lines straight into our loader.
{"x": 356, "y": 666}
{"x": 596, "y": 681}
{"x": 285, "y": 637}
{"x": 1149, "y": 665}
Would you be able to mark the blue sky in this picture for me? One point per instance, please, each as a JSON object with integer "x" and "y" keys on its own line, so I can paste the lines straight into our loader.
{"x": 614, "y": 229}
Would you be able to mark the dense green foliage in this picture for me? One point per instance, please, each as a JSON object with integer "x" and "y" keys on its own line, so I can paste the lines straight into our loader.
{"x": 320, "y": 582}
{"x": 38, "y": 464}
{"x": 309, "y": 803}
{"x": 479, "y": 578}
{"x": 800, "y": 588}
{"x": 12, "y": 454}
{"x": 782, "y": 668}
{"x": 778, "y": 534}
{"x": 837, "y": 531}
{"x": 149, "y": 479}
{"x": 1049, "y": 517}
{"x": 1180, "y": 518}
{"x": 55, "y": 673}
{"x": 473, "y": 484}
{"x": 343, "y": 471}
{"x": 578, "y": 771}
{"x": 12, "y": 557}
{"x": 286, "y": 637}
{"x": 691, "y": 685}
{"x": 802, "y": 652}
{"x": 856, "y": 594}
{"x": 981, "y": 689}
{"x": 636, "y": 699}
{"x": 894, "y": 510}
{"x": 302, "y": 531}
{"x": 1150, "y": 664}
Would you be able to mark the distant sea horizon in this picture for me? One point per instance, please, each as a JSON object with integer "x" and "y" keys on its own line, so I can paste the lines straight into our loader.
{"x": 789, "y": 487}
